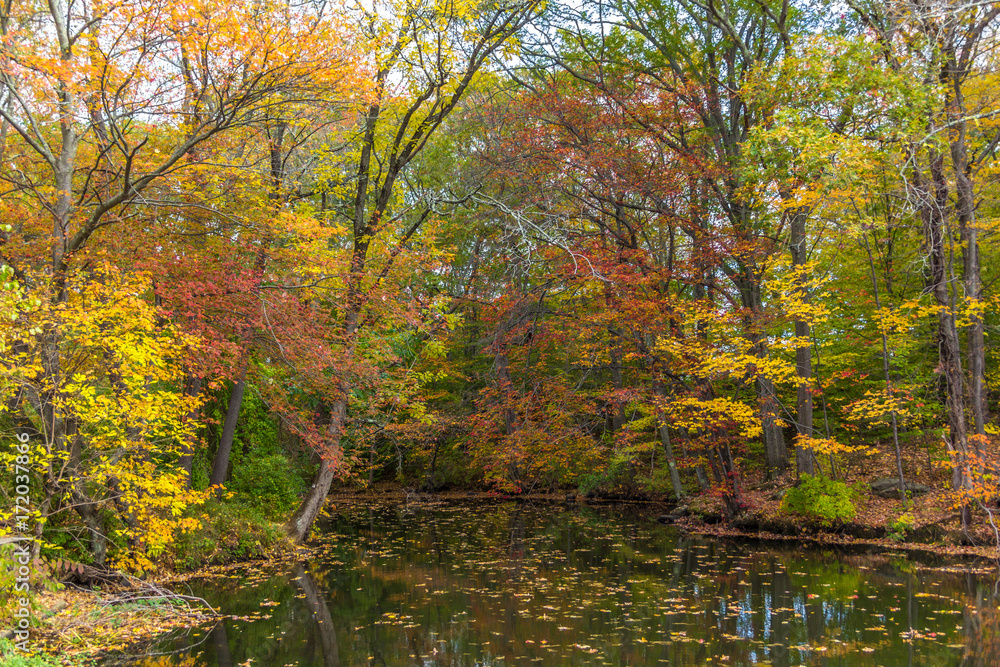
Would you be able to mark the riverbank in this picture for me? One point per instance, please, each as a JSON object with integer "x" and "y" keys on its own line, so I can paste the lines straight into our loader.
{"x": 928, "y": 523}
{"x": 78, "y": 625}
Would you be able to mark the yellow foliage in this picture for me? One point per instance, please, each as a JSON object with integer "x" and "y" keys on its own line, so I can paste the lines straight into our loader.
{"x": 695, "y": 414}
{"x": 827, "y": 446}
{"x": 876, "y": 408}
{"x": 121, "y": 391}
{"x": 793, "y": 288}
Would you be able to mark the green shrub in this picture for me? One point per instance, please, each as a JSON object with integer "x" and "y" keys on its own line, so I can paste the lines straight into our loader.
{"x": 268, "y": 483}
{"x": 616, "y": 476}
{"x": 592, "y": 482}
{"x": 659, "y": 482}
{"x": 821, "y": 500}
{"x": 900, "y": 526}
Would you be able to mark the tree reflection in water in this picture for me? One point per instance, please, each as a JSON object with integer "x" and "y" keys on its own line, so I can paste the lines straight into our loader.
{"x": 320, "y": 613}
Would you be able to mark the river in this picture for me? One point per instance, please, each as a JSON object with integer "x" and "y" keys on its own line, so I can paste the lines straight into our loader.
{"x": 503, "y": 583}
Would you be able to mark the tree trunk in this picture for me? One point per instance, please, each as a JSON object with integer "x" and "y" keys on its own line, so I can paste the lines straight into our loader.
{"x": 887, "y": 369}
{"x": 721, "y": 461}
{"x": 965, "y": 211}
{"x": 220, "y": 467}
{"x": 803, "y": 350}
{"x": 300, "y": 523}
{"x": 91, "y": 515}
{"x": 699, "y": 471}
{"x": 933, "y": 210}
{"x": 505, "y": 385}
{"x": 617, "y": 410}
{"x": 775, "y": 453}
{"x": 668, "y": 449}
{"x": 192, "y": 388}
{"x": 431, "y": 484}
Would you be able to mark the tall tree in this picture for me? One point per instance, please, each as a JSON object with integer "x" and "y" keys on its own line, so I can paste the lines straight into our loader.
{"x": 944, "y": 43}
{"x": 427, "y": 55}
{"x": 704, "y": 53}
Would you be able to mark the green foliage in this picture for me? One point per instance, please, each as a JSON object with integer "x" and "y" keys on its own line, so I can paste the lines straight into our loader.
{"x": 618, "y": 476}
{"x": 256, "y": 429}
{"x": 822, "y": 500}
{"x": 451, "y": 466}
{"x": 269, "y": 484}
{"x": 658, "y": 482}
{"x": 592, "y": 482}
{"x": 635, "y": 469}
{"x": 256, "y": 433}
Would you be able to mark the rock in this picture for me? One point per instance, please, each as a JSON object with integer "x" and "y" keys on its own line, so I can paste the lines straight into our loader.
{"x": 678, "y": 512}
{"x": 954, "y": 537}
{"x": 778, "y": 495}
{"x": 888, "y": 487}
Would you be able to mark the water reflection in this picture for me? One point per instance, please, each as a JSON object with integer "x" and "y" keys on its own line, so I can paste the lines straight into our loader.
{"x": 506, "y": 584}
{"x": 220, "y": 643}
{"x": 321, "y": 615}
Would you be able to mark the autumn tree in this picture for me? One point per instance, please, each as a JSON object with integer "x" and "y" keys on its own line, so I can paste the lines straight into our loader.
{"x": 107, "y": 108}
{"x": 944, "y": 45}
{"x": 678, "y": 74}
{"x": 425, "y": 57}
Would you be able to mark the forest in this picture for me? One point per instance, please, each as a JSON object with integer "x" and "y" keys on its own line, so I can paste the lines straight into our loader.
{"x": 693, "y": 250}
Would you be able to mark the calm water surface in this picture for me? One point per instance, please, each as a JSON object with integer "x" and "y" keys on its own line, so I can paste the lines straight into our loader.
{"x": 520, "y": 584}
